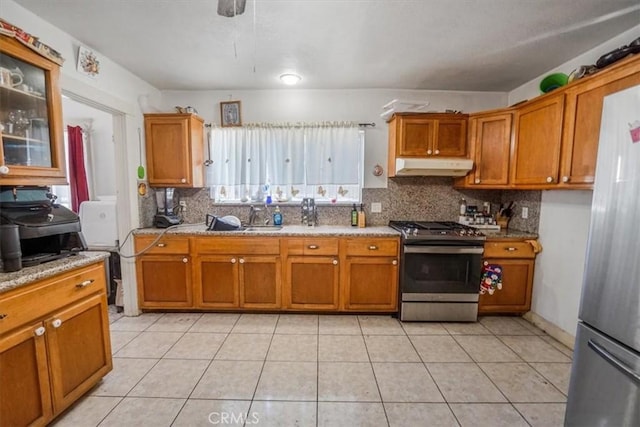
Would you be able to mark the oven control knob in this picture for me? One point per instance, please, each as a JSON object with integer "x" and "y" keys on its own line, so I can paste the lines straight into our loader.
{"x": 463, "y": 232}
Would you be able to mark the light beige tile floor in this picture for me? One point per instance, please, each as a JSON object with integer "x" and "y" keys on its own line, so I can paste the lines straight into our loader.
{"x": 192, "y": 369}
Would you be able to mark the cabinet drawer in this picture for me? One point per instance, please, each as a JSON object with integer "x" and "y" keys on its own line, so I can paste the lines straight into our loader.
{"x": 51, "y": 295}
{"x": 166, "y": 245}
{"x": 313, "y": 246}
{"x": 238, "y": 245}
{"x": 511, "y": 249}
{"x": 372, "y": 247}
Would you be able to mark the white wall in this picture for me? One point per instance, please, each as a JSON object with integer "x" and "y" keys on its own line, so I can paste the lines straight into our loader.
{"x": 298, "y": 105}
{"x": 116, "y": 90}
{"x": 564, "y": 220}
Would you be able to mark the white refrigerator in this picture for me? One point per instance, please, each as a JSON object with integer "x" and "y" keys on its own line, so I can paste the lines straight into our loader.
{"x": 605, "y": 376}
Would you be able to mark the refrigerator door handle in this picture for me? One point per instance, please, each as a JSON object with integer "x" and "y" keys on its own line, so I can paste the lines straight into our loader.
{"x": 606, "y": 355}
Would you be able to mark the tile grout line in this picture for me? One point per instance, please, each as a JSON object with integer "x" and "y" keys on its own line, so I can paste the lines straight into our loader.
{"x": 375, "y": 378}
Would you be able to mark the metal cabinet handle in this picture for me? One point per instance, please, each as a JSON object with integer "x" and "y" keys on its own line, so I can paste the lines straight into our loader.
{"x": 565, "y": 179}
{"x": 161, "y": 245}
{"x": 549, "y": 179}
{"x": 56, "y": 323}
{"x": 477, "y": 181}
{"x": 313, "y": 246}
{"x": 335, "y": 262}
{"x": 185, "y": 260}
{"x": 40, "y": 331}
{"x": 511, "y": 249}
{"x": 241, "y": 260}
{"x": 233, "y": 260}
{"x": 3, "y": 315}
{"x": 183, "y": 180}
{"x": 618, "y": 364}
{"x": 429, "y": 152}
{"x": 84, "y": 284}
{"x": 373, "y": 248}
{"x": 394, "y": 262}
{"x": 4, "y": 170}
{"x": 437, "y": 151}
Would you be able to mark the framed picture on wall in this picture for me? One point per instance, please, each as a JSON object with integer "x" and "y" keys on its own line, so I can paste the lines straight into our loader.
{"x": 230, "y": 114}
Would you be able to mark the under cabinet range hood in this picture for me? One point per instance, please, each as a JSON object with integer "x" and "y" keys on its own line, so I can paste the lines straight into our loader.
{"x": 433, "y": 167}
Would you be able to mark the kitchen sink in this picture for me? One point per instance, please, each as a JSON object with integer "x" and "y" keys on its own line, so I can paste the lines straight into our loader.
{"x": 263, "y": 228}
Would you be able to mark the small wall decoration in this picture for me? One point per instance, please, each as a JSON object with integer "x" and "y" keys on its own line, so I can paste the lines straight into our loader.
{"x": 88, "y": 63}
{"x": 230, "y": 114}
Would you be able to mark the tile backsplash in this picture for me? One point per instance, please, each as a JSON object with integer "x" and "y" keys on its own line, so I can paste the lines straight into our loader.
{"x": 406, "y": 198}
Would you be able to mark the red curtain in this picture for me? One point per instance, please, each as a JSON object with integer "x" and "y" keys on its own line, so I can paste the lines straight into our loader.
{"x": 77, "y": 172}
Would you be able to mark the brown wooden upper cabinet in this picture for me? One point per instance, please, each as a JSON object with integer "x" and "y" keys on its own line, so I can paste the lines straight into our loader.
{"x": 490, "y": 146}
{"x": 175, "y": 147}
{"x": 583, "y": 110}
{"x": 426, "y": 135}
{"x": 31, "y": 138}
{"x": 538, "y": 135}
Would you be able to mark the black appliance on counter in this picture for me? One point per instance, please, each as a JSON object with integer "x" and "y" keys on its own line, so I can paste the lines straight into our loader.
{"x": 440, "y": 268}
{"x": 47, "y": 231}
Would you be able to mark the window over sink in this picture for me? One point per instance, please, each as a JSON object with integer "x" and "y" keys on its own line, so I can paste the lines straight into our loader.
{"x": 286, "y": 163}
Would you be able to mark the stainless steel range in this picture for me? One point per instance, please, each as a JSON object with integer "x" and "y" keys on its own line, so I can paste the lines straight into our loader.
{"x": 440, "y": 270}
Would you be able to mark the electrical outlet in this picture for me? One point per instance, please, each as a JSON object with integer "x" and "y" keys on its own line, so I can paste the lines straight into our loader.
{"x": 525, "y": 212}
{"x": 376, "y": 207}
{"x": 183, "y": 206}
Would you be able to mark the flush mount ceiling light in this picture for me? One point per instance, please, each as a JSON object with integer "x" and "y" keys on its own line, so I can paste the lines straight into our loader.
{"x": 231, "y": 8}
{"x": 290, "y": 78}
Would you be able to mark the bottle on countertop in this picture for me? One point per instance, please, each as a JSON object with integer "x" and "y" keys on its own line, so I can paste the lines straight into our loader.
{"x": 463, "y": 206}
{"x": 361, "y": 217}
{"x": 354, "y": 216}
{"x": 277, "y": 216}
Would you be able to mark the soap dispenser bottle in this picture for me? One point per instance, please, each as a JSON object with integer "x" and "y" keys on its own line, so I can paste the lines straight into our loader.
{"x": 277, "y": 216}
{"x": 354, "y": 216}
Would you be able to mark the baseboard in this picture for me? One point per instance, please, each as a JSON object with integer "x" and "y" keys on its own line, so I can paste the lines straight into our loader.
{"x": 552, "y": 330}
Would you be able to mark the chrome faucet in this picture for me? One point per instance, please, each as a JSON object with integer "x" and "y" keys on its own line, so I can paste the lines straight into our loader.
{"x": 255, "y": 212}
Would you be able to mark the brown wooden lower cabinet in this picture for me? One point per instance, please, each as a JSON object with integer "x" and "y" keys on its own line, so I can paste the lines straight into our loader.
{"x": 25, "y": 397}
{"x": 56, "y": 347}
{"x": 291, "y": 273}
{"x": 517, "y": 259}
{"x": 312, "y": 283}
{"x": 166, "y": 281}
{"x": 371, "y": 283}
{"x": 233, "y": 281}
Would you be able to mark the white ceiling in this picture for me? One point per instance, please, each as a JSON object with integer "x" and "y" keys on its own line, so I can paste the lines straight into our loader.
{"x": 487, "y": 45}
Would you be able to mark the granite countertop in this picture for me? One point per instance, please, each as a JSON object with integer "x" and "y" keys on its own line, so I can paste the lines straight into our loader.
{"x": 33, "y": 274}
{"x": 285, "y": 231}
{"x": 510, "y": 234}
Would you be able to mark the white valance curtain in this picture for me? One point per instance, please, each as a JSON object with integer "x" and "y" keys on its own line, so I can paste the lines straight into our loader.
{"x": 287, "y": 162}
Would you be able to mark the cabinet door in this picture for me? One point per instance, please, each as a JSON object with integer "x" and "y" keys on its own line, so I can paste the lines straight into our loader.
{"x": 175, "y": 149}
{"x": 492, "y": 143}
{"x": 451, "y": 139}
{"x": 79, "y": 349}
{"x": 416, "y": 136}
{"x": 517, "y": 283}
{"x": 31, "y": 114}
{"x": 260, "y": 281}
{"x": 371, "y": 283}
{"x": 217, "y": 279}
{"x": 164, "y": 281}
{"x": 582, "y": 130}
{"x": 537, "y": 145}
{"x": 312, "y": 283}
{"x": 25, "y": 398}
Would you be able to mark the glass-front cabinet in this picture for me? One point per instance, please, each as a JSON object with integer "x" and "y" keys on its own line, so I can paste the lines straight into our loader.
{"x": 30, "y": 117}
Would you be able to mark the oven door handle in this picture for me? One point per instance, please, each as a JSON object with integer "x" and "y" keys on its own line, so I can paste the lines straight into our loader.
{"x": 442, "y": 250}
